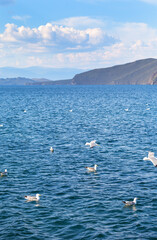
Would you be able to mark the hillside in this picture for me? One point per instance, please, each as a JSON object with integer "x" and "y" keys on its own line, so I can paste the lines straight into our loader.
{"x": 21, "y": 81}
{"x": 50, "y": 82}
{"x": 140, "y": 72}
{"x": 16, "y": 81}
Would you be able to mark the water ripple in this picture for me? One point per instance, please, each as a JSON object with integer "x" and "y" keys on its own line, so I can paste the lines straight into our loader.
{"x": 76, "y": 204}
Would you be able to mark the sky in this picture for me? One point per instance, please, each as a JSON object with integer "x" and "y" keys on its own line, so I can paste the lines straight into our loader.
{"x": 80, "y": 34}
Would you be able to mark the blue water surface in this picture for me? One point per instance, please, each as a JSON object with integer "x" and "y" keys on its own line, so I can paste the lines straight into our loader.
{"x": 75, "y": 204}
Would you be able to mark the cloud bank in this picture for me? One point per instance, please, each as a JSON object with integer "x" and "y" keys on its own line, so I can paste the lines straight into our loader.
{"x": 67, "y": 43}
{"x": 54, "y": 36}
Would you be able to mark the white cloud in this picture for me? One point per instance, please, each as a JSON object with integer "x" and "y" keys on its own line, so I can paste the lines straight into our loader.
{"x": 21, "y": 18}
{"x": 54, "y": 36}
{"x": 129, "y": 32}
{"x": 68, "y": 46}
{"x": 137, "y": 41}
{"x": 81, "y": 23}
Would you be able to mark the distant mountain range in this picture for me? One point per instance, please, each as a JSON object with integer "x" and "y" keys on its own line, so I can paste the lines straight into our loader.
{"x": 141, "y": 72}
{"x": 39, "y": 72}
{"x": 21, "y": 81}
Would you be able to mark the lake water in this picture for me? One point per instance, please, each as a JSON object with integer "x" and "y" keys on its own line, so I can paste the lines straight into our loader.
{"x": 75, "y": 204}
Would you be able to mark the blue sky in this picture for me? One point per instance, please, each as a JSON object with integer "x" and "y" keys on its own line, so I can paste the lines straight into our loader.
{"x": 83, "y": 34}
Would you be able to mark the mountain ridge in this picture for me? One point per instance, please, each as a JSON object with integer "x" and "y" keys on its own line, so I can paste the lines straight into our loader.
{"x": 140, "y": 72}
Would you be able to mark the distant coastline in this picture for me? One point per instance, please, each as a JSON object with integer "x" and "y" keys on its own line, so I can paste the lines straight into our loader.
{"x": 140, "y": 72}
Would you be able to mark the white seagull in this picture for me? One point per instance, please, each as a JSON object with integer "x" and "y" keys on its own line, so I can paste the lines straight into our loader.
{"x": 92, "y": 169}
{"x": 5, "y": 173}
{"x": 92, "y": 144}
{"x": 33, "y": 198}
{"x": 51, "y": 149}
{"x": 151, "y": 158}
{"x": 130, "y": 203}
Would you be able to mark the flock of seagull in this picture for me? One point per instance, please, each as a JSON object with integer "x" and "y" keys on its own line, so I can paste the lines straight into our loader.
{"x": 91, "y": 169}
{"x": 92, "y": 144}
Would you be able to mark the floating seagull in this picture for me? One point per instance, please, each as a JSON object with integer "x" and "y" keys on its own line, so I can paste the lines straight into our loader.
{"x": 1, "y": 125}
{"x": 130, "y": 203}
{"x": 92, "y": 143}
{"x": 151, "y": 158}
{"x": 126, "y": 109}
{"x": 92, "y": 169}
{"x": 33, "y": 198}
{"x": 51, "y": 149}
{"x": 5, "y": 173}
{"x": 70, "y": 110}
{"x": 25, "y": 111}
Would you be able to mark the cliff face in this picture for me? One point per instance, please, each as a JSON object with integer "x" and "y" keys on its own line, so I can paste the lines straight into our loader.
{"x": 140, "y": 72}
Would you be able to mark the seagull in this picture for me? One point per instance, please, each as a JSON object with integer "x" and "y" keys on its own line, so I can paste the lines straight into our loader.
{"x": 92, "y": 169}
{"x": 1, "y": 125}
{"x": 51, "y": 149}
{"x": 126, "y": 109}
{"x": 130, "y": 203}
{"x": 151, "y": 158}
{"x": 70, "y": 110}
{"x": 33, "y": 198}
{"x": 92, "y": 144}
{"x": 5, "y": 173}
